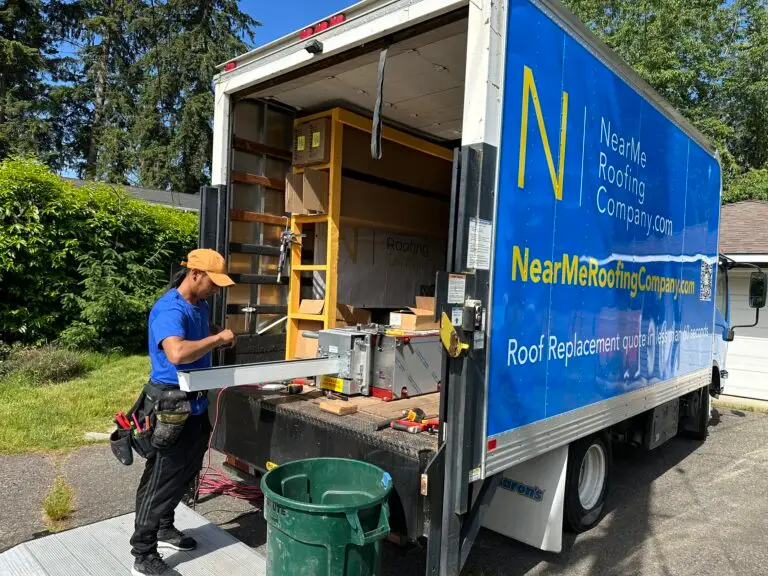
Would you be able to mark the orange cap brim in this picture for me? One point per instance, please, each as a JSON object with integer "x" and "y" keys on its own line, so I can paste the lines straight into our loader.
{"x": 221, "y": 280}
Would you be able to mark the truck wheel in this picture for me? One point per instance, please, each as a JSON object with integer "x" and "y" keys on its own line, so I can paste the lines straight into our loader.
{"x": 587, "y": 481}
{"x": 701, "y": 403}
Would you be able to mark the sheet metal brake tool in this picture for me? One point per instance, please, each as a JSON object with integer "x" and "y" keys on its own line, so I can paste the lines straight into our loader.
{"x": 367, "y": 360}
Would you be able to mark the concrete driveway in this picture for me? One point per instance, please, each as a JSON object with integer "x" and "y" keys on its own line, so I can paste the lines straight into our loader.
{"x": 684, "y": 509}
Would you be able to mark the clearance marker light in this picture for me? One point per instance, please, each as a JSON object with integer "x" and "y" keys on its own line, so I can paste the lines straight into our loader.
{"x": 322, "y": 26}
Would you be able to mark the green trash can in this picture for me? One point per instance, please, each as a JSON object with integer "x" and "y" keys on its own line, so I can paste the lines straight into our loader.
{"x": 326, "y": 517}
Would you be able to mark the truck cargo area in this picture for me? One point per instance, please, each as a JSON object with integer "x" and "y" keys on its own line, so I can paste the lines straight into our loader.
{"x": 391, "y": 238}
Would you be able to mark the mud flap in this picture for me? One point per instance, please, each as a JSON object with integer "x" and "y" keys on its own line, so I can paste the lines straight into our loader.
{"x": 528, "y": 506}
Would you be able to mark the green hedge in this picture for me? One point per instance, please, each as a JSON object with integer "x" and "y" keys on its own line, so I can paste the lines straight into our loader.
{"x": 81, "y": 265}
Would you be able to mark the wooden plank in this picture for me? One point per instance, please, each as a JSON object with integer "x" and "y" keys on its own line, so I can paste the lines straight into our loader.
{"x": 248, "y": 216}
{"x": 430, "y": 403}
{"x": 251, "y": 147}
{"x": 338, "y": 407}
{"x": 301, "y": 169}
{"x": 310, "y": 218}
{"x": 248, "y": 178}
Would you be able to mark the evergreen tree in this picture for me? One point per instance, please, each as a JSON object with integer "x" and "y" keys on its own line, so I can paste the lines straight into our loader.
{"x": 26, "y": 57}
{"x": 173, "y": 131}
{"x": 96, "y": 103}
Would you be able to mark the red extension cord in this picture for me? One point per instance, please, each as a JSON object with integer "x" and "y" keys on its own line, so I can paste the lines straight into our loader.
{"x": 214, "y": 481}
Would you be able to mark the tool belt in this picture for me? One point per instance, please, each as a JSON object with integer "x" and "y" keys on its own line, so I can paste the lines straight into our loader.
{"x": 154, "y": 422}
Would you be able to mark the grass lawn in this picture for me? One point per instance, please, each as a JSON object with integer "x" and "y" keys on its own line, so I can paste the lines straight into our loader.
{"x": 55, "y": 416}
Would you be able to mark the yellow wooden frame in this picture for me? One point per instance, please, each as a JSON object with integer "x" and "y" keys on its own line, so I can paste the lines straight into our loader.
{"x": 339, "y": 118}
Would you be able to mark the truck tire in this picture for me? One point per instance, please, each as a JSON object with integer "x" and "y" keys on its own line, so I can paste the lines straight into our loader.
{"x": 696, "y": 425}
{"x": 587, "y": 481}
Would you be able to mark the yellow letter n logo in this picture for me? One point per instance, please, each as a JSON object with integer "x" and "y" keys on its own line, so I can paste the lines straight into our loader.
{"x": 529, "y": 88}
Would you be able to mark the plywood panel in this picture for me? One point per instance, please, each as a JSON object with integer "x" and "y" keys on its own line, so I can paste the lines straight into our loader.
{"x": 245, "y": 162}
{"x": 246, "y": 197}
{"x": 248, "y": 120}
{"x": 243, "y": 232}
{"x": 371, "y": 205}
{"x": 397, "y": 163}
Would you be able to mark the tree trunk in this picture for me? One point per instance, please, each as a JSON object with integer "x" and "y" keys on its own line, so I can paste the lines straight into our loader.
{"x": 3, "y": 90}
{"x": 100, "y": 88}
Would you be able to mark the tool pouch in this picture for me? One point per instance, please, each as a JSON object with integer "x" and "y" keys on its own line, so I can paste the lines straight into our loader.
{"x": 120, "y": 441}
{"x": 170, "y": 409}
{"x": 142, "y": 443}
{"x": 168, "y": 428}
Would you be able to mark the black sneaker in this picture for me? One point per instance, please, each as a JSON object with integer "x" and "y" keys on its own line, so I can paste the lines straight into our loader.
{"x": 172, "y": 538}
{"x": 152, "y": 565}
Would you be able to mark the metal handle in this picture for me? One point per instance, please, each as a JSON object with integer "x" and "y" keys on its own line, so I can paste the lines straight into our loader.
{"x": 310, "y": 335}
{"x": 368, "y": 364}
{"x": 361, "y": 538}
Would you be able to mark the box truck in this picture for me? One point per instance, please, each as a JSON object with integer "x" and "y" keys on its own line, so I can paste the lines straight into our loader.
{"x": 567, "y": 214}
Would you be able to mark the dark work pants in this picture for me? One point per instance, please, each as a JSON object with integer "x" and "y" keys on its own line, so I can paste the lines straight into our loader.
{"x": 166, "y": 477}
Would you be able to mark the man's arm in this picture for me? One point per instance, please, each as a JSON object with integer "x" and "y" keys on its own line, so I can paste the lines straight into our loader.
{"x": 180, "y": 351}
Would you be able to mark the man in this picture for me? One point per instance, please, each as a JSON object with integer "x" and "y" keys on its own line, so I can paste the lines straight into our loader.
{"x": 179, "y": 339}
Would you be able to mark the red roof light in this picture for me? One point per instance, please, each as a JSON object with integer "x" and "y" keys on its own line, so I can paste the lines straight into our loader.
{"x": 322, "y": 26}
{"x": 229, "y": 66}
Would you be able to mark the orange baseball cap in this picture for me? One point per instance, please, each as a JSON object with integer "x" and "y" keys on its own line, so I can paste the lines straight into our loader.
{"x": 210, "y": 262}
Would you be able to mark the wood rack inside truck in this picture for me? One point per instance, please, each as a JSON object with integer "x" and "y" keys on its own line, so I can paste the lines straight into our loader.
{"x": 477, "y": 210}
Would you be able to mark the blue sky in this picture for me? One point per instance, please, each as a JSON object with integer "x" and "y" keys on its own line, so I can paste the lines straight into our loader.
{"x": 281, "y": 17}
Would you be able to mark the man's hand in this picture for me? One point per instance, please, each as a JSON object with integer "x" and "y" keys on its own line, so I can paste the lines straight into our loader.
{"x": 227, "y": 337}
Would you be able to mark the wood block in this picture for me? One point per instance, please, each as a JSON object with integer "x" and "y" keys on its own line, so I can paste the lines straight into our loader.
{"x": 338, "y": 407}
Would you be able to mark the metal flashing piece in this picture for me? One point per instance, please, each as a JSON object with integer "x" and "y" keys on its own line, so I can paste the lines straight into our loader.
{"x": 255, "y": 374}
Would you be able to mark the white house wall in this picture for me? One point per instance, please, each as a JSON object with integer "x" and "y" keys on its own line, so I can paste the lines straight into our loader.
{"x": 747, "y": 362}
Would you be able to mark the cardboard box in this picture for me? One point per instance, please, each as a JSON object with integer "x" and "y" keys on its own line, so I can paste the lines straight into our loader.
{"x": 301, "y": 144}
{"x": 420, "y": 317}
{"x": 294, "y": 194}
{"x": 345, "y": 316}
{"x": 307, "y": 192}
{"x": 315, "y": 190}
{"x": 319, "y": 149}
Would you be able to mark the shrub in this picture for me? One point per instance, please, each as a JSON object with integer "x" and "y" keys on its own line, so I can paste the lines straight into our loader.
{"x": 61, "y": 246}
{"x": 38, "y": 366}
{"x": 59, "y": 503}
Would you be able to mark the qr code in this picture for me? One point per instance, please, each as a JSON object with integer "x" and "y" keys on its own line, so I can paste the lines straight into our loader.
{"x": 705, "y": 291}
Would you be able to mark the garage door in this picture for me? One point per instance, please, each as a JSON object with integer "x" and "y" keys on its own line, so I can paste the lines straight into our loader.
{"x": 747, "y": 361}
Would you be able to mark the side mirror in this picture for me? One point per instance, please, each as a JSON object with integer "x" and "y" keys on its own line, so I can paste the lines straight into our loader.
{"x": 729, "y": 335}
{"x": 758, "y": 285}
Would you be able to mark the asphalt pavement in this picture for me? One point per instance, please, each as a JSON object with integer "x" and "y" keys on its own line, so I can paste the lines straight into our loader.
{"x": 684, "y": 509}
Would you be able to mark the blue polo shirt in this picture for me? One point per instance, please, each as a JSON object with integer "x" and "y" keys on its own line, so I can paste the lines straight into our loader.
{"x": 172, "y": 315}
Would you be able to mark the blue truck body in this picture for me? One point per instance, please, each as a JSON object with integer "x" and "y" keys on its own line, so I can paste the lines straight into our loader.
{"x": 605, "y": 245}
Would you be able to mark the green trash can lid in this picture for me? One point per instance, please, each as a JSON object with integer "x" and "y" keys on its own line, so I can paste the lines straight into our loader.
{"x": 328, "y": 485}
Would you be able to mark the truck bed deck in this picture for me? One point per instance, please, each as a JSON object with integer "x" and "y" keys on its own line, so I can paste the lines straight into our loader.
{"x": 363, "y": 423}
{"x": 102, "y": 548}
{"x": 259, "y": 428}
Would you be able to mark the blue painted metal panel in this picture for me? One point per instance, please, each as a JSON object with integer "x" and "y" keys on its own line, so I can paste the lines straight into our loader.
{"x": 605, "y": 235}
